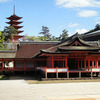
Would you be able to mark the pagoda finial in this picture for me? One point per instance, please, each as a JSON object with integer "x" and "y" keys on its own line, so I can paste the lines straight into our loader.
{"x": 14, "y": 10}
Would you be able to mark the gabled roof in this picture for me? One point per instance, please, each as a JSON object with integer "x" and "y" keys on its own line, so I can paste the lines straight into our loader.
{"x": 73, "y": 43}
{"x": 92, "y": 36}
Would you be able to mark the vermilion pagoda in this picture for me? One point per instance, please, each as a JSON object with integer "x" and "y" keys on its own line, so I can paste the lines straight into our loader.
{"x": 15, "y": 23}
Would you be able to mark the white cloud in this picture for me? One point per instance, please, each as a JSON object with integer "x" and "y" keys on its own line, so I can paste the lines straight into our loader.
{"x": 81, "y": 30}
{"x": 73, "y": 24}
{"x": 4, "y": 0}
{"x": 87, "y": 13}
{"x": 78, "y": 3}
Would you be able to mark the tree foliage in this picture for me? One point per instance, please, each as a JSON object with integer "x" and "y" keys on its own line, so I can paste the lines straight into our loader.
{"x": 47, "y": 36}
{"x": 2, "y": 37}
{"x": 97, "y": 27}
{"x": 10, "y": 31}
{"x": 31, "y": 38}
{"x": 45, "y": 33}
{"x": 64, "y": 35}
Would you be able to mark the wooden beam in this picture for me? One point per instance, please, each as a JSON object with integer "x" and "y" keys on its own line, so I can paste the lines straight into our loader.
{"x": 91, "y": 74}
{"x": 46, "y": 73}
{"x": 68, "y": 75}
{"x": 57, "y": 72}
{"x": 79, "y": 74}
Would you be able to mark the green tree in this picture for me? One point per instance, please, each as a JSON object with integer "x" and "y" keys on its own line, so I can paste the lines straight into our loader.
{"x": 53, "y": 38}
{"x": 45, "y": 33}
{"x": 97, "y": 27}
{"x": 42, "y": 38}
{"x": 31, "y": 38}
{"x": 10, "y": 31}
{"x": 64, "y": 35}
{"x": 2, "y": 37}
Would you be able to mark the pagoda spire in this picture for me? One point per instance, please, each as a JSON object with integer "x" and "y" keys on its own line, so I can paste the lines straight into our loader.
{"x": 14, "y": 10}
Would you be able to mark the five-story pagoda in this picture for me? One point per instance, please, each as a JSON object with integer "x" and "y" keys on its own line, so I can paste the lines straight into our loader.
{"x": 14, "y": 21}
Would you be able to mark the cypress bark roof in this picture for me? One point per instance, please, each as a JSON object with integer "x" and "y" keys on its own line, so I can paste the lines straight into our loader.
{"x": 30, "y": 49}
{"x": 73, "y": 43}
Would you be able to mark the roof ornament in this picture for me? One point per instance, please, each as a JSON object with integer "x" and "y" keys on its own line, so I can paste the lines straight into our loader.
{"x": 76, "y": 33}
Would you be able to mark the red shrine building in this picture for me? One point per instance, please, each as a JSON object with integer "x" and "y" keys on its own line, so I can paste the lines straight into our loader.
{"x": 73, "y": 55}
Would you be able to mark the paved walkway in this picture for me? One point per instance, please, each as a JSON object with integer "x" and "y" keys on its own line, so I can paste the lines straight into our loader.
{"x": 20, "y": 90}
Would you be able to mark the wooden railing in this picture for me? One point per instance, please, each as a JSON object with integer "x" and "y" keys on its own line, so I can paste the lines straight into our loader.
{"x": 53, "y": 70}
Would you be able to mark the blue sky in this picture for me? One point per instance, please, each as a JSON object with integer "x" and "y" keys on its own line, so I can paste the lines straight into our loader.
{"x": 72, "y": 15}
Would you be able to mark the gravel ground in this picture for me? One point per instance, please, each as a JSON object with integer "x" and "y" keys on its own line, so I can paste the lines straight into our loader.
{"x": 21, "y": 90}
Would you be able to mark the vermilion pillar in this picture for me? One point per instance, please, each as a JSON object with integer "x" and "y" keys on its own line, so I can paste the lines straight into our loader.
{"x": 96, "y": 63}
{"x": 88, "y": 64}
{"x": 85, "y": 63}
{"x": 52, "y": 62}
{"x": 66, "y": 62}
{"x": 81, "y": 63}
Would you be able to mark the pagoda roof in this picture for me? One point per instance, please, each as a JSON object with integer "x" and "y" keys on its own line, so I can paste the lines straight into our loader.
{"x": 14, "y": 22}
{"x": 14, "y": 17}
{"x": 15, "y": 36}
{"x": 73, "y": 43}
{"x": 19, "y": 31}
{"x": 17, "y": 27}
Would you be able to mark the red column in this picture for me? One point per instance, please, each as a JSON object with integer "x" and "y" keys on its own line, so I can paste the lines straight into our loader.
{"x": 96, "y": 63}
{"x": 85, "y": 63}
{"x": 66, "y": 62}
{"x": 81, "y": 63}
{"x": 88, "y": 64}
{"x": 52, "y": 62}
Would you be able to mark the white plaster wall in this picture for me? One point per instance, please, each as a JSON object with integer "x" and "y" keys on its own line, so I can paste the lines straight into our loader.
{"x": 9, "y": 65}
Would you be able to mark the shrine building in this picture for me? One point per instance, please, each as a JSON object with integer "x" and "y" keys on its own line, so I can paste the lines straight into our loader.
{"x": 73, "y": 55}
